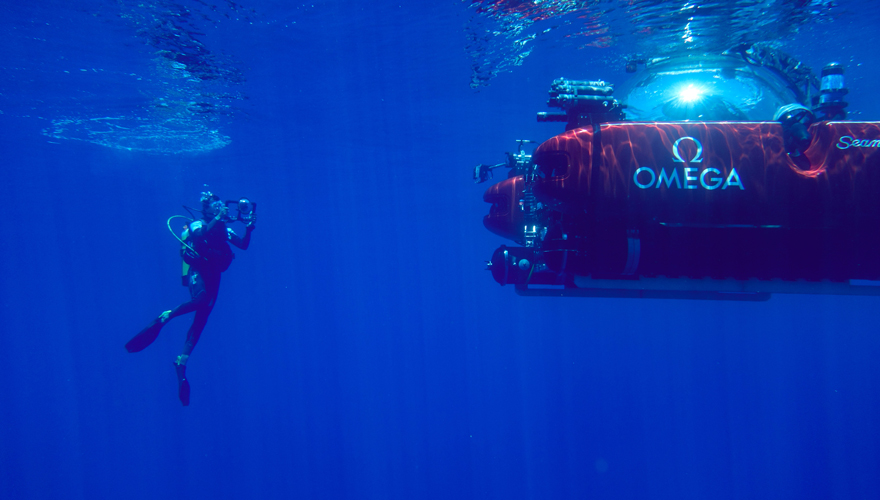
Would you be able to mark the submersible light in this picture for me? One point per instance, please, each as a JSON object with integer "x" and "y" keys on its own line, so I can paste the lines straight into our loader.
{"x": 690, "y": 94}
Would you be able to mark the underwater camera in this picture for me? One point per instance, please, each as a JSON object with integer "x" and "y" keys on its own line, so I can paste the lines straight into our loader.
{"x": 245, "y": 208}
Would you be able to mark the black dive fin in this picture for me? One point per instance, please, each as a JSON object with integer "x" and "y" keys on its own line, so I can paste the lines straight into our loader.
{"x": 182, "y": 384}
{"x": 146, "y": 337}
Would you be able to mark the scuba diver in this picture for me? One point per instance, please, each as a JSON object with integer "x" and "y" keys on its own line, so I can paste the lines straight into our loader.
{"x": 206, "y": 254}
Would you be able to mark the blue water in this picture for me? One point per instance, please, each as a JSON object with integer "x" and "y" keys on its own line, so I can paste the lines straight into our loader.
{"x": 358, "y": 349}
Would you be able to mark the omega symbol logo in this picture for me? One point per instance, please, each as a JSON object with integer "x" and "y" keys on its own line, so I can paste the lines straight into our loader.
{"x": 698, "y": 158}
{"x": 692, "y": 177}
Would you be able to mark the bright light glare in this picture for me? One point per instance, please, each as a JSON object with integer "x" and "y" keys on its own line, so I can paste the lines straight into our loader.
{"x": 690, "y": 93}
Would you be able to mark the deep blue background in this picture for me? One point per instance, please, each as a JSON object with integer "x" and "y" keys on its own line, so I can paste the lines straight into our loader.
{"x": 358, "y": 349}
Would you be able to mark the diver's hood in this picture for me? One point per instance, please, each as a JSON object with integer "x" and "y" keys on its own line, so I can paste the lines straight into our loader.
{"x": 705, "y": 88}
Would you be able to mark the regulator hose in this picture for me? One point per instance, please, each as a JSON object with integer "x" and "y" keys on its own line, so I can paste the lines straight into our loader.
{"x": 187, "y": 245}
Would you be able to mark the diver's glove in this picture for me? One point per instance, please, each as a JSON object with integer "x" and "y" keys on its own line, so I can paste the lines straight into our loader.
{"x": 252, "y": 223}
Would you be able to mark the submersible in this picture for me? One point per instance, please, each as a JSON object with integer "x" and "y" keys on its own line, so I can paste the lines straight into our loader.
{"x": 729, "y": 176}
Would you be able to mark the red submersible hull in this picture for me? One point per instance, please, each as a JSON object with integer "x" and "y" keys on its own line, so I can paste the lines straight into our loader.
{"x": 693, "y": 210}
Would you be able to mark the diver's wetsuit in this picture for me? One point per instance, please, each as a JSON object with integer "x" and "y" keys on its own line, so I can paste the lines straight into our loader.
{"x": 203, "y": 288}
{"x": 210, "y": 239}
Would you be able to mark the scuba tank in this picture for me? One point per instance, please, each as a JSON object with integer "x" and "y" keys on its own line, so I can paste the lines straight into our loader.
{"x": 187, "y": 254}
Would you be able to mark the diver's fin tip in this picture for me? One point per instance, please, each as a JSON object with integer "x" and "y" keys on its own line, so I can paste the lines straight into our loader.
{"x": 182, "y": 384}
{"x": 146, "y": 337}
